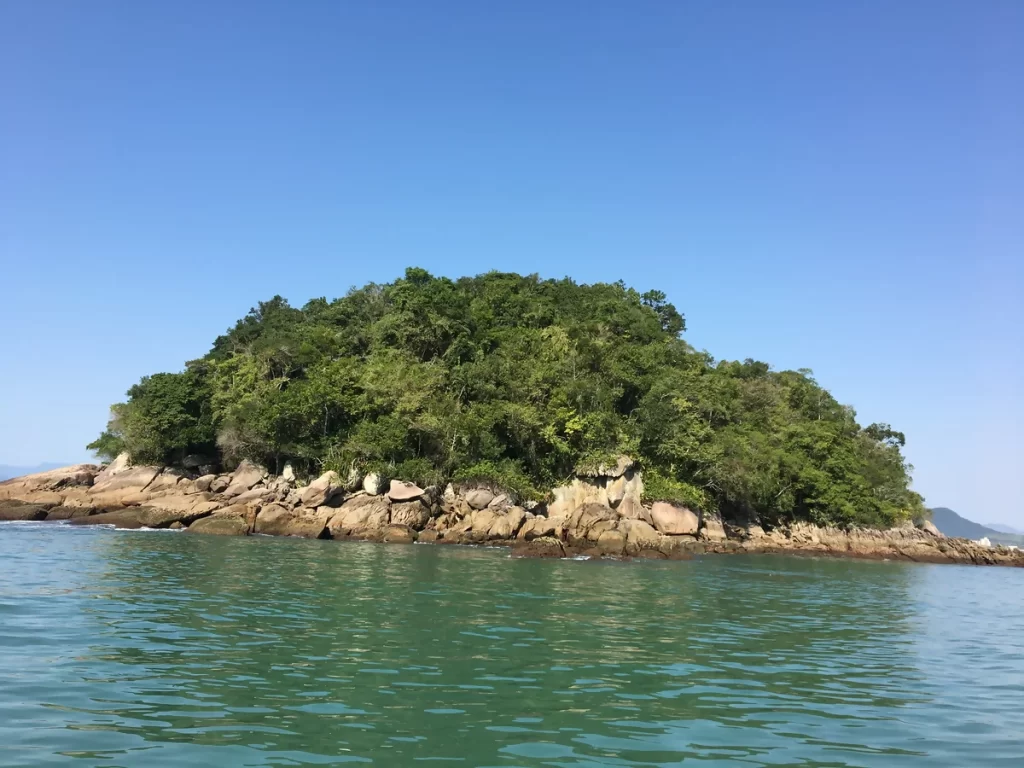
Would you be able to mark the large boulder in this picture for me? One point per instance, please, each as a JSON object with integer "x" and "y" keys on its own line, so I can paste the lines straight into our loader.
{"x": 399, "y": 534}
{"x": 189, "y": 507}
{"x": 403, "y": 491}
{"x": 413, "y": 514}
{"x": 711, "y": 528}
{"x": 68, "y": 513}
{"x": 168, "y": 481}
{"x": 278, "y": 520}
{"x": 542, "y": 547}
{"x": 133, "y": 480}
{"x": 121, "y": 463}
{"x": 360, "y": 513}
{"x": 78, "y": 475}
{"x": 236, "y": 520}
{"x": 479, "y": 498}
{"x": 612, "y": 542}
{"x": 203, "y": 483}
{"x": 639, "y": 535}
{"x": 245, "y": 476}
{"x": 321, "y": 491}
{"x": 506, "y": 525}
{"x": 929, "y": 527}
{"x": 373, "y": 484}
{"x": 15, "y": 510}
{"x": 540, "y": 527}
{"x": 674, "y": 519}
{"x": 579, "y": 525}
{"x": 220, "y": 483}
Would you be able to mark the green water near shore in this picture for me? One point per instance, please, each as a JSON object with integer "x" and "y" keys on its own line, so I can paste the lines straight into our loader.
{"x": 164, "y": 649}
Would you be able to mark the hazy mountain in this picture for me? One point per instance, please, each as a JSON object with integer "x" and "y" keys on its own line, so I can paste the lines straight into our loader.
{"x": 952, "y": 524}
{"x": 1004, "y": 528}
{"x": 7, "y": 471}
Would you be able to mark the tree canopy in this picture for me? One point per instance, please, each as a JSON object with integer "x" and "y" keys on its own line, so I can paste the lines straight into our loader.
{"x": 521, "y": 382}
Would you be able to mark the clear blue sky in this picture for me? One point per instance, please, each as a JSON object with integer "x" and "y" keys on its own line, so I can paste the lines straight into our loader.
{"x": 837, "y": 186}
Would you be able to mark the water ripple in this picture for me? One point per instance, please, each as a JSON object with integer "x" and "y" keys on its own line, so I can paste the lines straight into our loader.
{"x": 134, "y": 649}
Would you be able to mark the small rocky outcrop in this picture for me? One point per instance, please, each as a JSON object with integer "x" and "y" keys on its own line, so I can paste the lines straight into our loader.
{"x": 599, "y": 514}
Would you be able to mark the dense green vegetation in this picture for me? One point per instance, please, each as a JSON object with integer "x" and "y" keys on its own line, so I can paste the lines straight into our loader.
{"x": 518, "y": 381}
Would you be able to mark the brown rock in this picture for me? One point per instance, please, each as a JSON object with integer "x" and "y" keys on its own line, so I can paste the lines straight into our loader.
{"x": 360, "y": 513}
{"x": 639, "y": 536}
{"x": 223, "y": 523}
{"x": 712, "y": 528}
{"x": 203, "y": 483}
{"x": 243, "y": 478}
{"x": 399, "y": 534}
{"x": 583, "y": 519}
{"x": 542, "y": 547}
{"x": 16, "y": 510}
{"x": 220, "y": 484}
{"x": 130, "y": 481}
{"x": 141, "y": 517}
{"x": 674, "y": 519}
{"x": 402, "y": 491}
{"x": 67, "y": 513}
{"x": 278, "y": 520}
{"x": 21, "y": 488}
{"x": 322, "y": 491}
{"x": 540, "y": 527}
{"x": 413, "y": 514}
{"x": 429, "y": 536}
{"x": 611, "y": 542}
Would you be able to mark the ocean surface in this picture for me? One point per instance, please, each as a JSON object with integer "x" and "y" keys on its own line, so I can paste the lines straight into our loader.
{"x": 123, "y": 648}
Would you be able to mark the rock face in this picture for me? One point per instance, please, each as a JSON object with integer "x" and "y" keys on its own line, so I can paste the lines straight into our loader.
{"x": 674, "y": 520}
{"x": 597, "y": 515}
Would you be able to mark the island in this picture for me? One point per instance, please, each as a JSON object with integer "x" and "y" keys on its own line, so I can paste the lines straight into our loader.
{"x": 555, "y": 417}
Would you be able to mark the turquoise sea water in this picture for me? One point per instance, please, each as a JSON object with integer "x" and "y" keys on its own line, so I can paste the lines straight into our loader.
{"x": 163, "y": 649}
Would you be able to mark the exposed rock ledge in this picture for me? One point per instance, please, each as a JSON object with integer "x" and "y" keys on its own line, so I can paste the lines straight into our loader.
{"x": 598, "y": 515}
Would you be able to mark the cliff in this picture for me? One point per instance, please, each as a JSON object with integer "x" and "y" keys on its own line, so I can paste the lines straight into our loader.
{"x": 599, "y": 515}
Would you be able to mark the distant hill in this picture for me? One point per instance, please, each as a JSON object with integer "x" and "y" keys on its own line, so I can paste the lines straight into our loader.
{"x": 1004, "y": 528}
{"x": 7, "y": 471}
{"x": 952, "y": 524}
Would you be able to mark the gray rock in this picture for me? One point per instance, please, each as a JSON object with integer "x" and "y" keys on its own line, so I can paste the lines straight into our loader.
{"x": 373, "y": 484}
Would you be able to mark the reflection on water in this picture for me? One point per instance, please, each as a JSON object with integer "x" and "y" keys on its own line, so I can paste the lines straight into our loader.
{"x": 128, "y": 648}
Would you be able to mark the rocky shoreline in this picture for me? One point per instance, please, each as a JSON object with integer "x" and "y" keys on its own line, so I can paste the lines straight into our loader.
{"x": 600, "y": 514}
